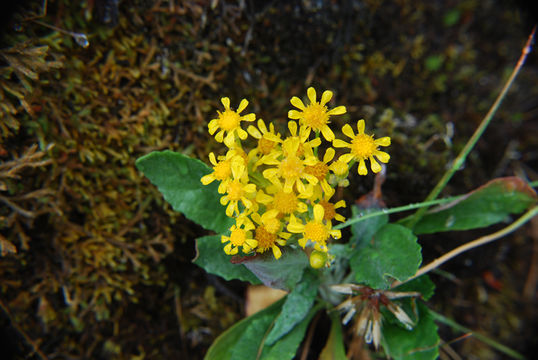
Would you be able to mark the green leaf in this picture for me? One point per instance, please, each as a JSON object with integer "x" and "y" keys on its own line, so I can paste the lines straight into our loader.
{"x": 422, "y": 284}
{"x": 211, "y": 257}
{"x": 334, "y": 348}
{"x": 364, "y": 231}
{"x": 487, "y": 205}
{"x": 283, "y": 273}
{"x": 286, "y": 347}
{"x": 298, "y": 304}
{"x": 393, "y": 254}
{"x": 420, "y": 343}
{"x": 178, "y": 178}
{"x": 245, "y": 337}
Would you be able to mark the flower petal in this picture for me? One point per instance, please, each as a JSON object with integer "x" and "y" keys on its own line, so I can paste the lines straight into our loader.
{"x": 261, "y": 126}
{"x": 226, "y": 102}
{"x": 339, "y": 110}
{"x": 298, "y": 103}
{"x": 327, "y": 133}
{"x": 384, "y": 141}
{"x": 326, "y": 97}
{"x": 329, "y": 155}
{"x": 374, "y": 165}
{"x": 249, "y": 117}
{"x": 294, "y": 114}
{"x": 348, "y": 131}
{"x": 255, "y": 133}
{"x": 311, "y": 93}
{"x": 362, "y": 169}
{"x": 276, "y": 252}
{"x": 292, "y": 126}
{"x": 360, "y": 126}
{"x": 382, "y": 156}
{"x": 340, "y": 143}
{"x": 242, "y": 105}
{"x": 207, "y": 179}
{"x": 318, "y": 212}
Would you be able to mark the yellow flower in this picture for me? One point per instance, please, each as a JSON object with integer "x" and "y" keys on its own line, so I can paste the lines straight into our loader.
{"x": 222, "y": 170}
{"x": 320, "y": 169}
{"x": 316, "y": 115}
{"x": 328, "y": 207}
{"x": 285, "y": 202}
{"x": 240, "y": 236}
{"x": 302, "y": 137}
{"x": 229, "y": 122}
{"x": 238, "y": 189}
{"x": 315, "y": 230}
{"x": 363, "y": 147}
{"x": 267, "y": 139}
{"x": 268, "y": 233}
{"x": 291, "y": 168}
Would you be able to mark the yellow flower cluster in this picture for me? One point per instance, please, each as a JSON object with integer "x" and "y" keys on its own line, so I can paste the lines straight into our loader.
{"x": 279, "y": 193}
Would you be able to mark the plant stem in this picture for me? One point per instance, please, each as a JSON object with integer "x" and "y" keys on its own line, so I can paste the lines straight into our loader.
{"x": 397, "y": 209}
{"x": 502, "y": 348}
{"x": 475, "y": 243}
{"x": 460, "y": 159}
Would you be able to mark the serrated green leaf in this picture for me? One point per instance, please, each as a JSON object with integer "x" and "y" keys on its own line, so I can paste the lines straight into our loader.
{"x": 364, "y": 231}
{"x": 283, "y": 273}
{"x": 178, "y": 178}
{"x": 420, "y": 343}
{"x": 334, "y": 349}
{"x": 393, "y": 254}
{"x": 487, "y": 205}
{"x": 245, "y": 337}
{"x": 211, "y": 257}
{"x": 422, "y": 284}
{"x": 298, "y": 304}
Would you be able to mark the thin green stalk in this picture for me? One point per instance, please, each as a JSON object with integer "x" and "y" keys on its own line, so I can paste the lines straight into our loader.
{"x": 397, "y": 209}
{"x": 494, "y": 344}
{"x": 460, "y": 159}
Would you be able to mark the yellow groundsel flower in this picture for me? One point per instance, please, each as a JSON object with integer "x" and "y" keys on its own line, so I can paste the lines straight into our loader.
{"x": 363, "y": 147}
{"x": 238, "y": 189}
{"x": 329, "y": 207}
{"x": 267, "y": 139}
{"x": 285, "y": 202}
{"x": 302, "y": 137}
{"x": 317, "y": 230}
{"x": 222, "y": 170}
{"x": 291, "y": 168}
{"x": 316, "y": 115}
{"x": 229, "y": 123}
{"x": 269, "y": 234}
{"x": 240, "y": 236}
{"x": 321, "y": 169}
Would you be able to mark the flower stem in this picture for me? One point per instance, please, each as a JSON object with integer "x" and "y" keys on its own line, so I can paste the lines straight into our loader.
{"x": 397, "y": 209}
{"x": 475, "y": 243}
{"x": 460, "y": 159}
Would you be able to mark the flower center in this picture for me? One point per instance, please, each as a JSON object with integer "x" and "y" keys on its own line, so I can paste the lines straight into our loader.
{"x": 266, "y": 240}
{"x": 291, "y": 167}
{"x": 363, "y": 146}
{"x": 315, "y": 116}
{"x": 316, "y": 231}
{"x": 328, "y": 207}
{"x": 238, "y": 237}
{"x": 222, "y": 170}
{"x": 285, "y": 203}
{"x": 319, "y": 170}
{"x": 229, "y": 120}
{"x": 265, "y": 145}
{"x": 235, "y": 190}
